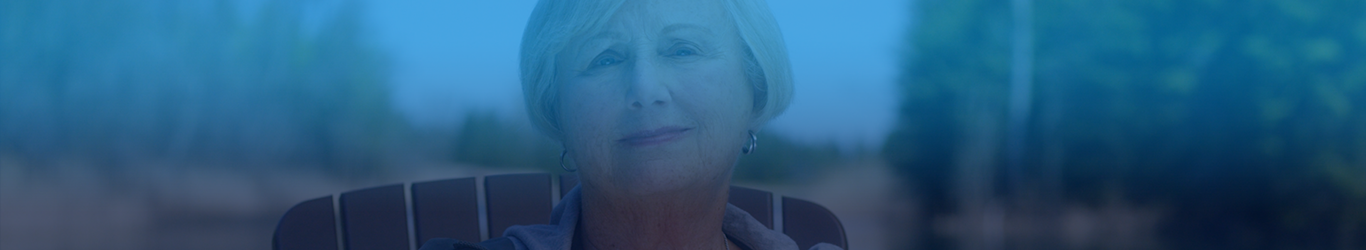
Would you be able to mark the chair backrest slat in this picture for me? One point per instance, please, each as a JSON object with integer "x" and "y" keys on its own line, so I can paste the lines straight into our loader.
{"x": 567, "y": 182}
{"x": 446, "y": 209}
{"x": 516, "y": 199}
{"x": 809, "y": 223}
{"x": 758, "y": 203}
{"x": 308, "y": 225}
{"x": 375, "y": 218}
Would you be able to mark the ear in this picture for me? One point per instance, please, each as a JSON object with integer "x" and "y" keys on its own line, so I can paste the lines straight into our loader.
{"x": 756, "y": 123}
{"x": 756, "y": 111}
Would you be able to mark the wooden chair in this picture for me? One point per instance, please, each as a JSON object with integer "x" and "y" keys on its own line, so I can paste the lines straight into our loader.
{"x": 403, "y": 216}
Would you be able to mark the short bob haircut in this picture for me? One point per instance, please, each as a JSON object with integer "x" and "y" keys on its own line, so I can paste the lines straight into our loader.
{"x": 554, "y": 24}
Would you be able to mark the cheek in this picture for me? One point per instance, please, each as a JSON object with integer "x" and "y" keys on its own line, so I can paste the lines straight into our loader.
{"x": 720, "y": 101}
{"x": 583, "y": 112}
{"x": 717, "y": 95}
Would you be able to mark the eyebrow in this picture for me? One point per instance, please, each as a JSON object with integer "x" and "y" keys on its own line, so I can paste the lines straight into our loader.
{"x": 672, "y": 28}
{"x": 604, "y": 35}
{"x": 684, "y": 26}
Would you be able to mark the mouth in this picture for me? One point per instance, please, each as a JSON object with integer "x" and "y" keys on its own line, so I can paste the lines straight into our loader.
{"x": 654, "y": 136}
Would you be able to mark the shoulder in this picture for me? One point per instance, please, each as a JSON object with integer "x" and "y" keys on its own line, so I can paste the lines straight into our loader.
{"x": 500, "y": 243}
{"x": 825, "y": 246}
{"x": 741, "y": 227}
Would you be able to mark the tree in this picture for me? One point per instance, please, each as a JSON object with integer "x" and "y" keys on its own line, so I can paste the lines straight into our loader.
{"x": 118, "y": 82}
{"x": 1248, "y": 119}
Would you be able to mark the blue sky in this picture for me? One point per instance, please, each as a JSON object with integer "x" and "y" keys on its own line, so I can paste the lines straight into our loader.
{"x": 452, "y": 56}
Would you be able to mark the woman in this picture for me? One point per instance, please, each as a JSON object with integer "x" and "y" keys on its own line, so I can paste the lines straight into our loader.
{"x": 654, "y": 102}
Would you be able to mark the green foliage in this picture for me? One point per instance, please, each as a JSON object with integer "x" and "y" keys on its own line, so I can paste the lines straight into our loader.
{"x": 119, "y": 81}
{"x": 488, "y": 140}
{"x": 1248, "y": 118}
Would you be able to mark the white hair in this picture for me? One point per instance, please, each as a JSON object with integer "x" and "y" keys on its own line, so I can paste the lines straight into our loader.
{"x": 555, "y": 23}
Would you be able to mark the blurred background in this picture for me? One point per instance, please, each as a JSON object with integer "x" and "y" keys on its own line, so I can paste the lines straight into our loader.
{"x": 923, "y": 124}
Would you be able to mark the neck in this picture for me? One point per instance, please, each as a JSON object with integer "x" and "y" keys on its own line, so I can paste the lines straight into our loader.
{"x": 684, "y": 219}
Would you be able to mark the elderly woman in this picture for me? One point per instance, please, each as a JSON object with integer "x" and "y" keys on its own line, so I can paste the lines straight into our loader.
{"x": 654, "y": 102}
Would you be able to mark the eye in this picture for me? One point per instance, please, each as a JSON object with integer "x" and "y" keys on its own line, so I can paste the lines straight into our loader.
{"x": 683, "y": 52}
{"x": 606, "y": 59}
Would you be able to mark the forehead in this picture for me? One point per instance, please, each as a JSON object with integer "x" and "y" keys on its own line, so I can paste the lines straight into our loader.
{"x": 652, "y": 16}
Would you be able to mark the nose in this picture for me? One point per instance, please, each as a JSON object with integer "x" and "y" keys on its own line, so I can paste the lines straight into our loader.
{"x": 647, "y": 87}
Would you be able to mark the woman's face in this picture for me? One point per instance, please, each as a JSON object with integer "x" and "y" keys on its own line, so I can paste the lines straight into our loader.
{"x": 658, "y": 100}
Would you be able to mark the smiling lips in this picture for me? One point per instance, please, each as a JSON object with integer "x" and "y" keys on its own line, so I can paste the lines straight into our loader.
{"x": 655, "y": 136}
